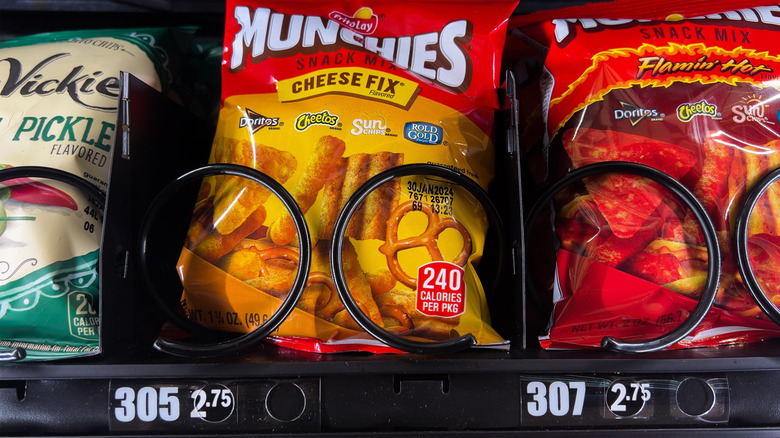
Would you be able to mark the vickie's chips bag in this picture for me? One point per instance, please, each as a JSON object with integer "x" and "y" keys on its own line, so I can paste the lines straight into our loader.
{"x": 322, "y": 96}
{"x": 58, "y": 100}
{"x": 690, "y": 94}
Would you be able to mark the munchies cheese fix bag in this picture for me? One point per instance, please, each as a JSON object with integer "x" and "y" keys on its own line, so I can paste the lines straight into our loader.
{"x": 692, "y": 95}
{"x": 321, "y": 97}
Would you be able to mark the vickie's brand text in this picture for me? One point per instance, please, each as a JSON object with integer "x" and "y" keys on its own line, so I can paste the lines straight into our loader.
{"x": 90, "y": 89}
{"x": 438, "y": 56}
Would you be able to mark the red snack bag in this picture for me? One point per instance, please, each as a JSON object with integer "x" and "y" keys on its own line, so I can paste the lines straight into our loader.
{"x": 686, "y": 89}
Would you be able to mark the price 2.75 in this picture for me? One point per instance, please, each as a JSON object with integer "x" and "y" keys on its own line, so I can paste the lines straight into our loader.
{"x": 626, "y": 398}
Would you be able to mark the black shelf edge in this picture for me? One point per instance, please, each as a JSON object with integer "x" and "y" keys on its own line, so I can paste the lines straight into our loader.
{"x": 271, "y": 361}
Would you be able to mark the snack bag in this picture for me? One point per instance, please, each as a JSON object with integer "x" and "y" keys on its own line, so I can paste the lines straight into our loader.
{"x": 689, "y": 90}
{"x": 321, "y": 97}
{"x": 58, "y": 101}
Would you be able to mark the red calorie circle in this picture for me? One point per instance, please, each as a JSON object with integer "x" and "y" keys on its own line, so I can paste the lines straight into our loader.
{"x": 440, "y": 289}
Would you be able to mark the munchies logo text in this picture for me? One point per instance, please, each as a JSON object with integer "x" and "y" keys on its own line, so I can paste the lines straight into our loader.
{"x": 438, "y": 56}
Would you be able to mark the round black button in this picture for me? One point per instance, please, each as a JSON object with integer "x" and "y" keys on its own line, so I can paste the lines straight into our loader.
{"x": 695, "y": 397}
{"x": 285, "y": 401}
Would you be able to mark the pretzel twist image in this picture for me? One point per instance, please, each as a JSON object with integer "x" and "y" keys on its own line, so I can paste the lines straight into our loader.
{"x": 276, "y": 253}
{"x": 406, "y": 325}
{"x": 427, "y": 239}
{"x": 328, "y": 303}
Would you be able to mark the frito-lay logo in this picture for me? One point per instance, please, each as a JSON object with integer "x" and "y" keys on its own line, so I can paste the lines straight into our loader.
{"x": 306, "y": 120}
{"x": 363, "y": 21}
{"x": 633, "y": 113}
{"x": 687, "y": 111}
{"x": 256, "y": 121}
{"x": 439, "y": 56}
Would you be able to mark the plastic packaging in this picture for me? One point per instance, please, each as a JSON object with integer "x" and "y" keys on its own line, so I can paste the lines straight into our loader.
{"x": 321, "y": 98}
{"x": 689, "y": 94}
{"x": 59, "y": 95}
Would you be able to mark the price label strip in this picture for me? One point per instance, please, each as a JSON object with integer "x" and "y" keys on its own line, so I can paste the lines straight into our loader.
{"x": 577, "y": 401}
{"x": 231, "y": 406}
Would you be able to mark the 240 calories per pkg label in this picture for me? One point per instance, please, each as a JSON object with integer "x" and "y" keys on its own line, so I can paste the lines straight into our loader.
{"x": 441, "y": 290}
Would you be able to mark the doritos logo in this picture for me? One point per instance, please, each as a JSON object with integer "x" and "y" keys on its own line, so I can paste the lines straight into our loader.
{"x": 688, "y": 111}
{"x": 633, "y": 113}
{"x": 256, "y": 121}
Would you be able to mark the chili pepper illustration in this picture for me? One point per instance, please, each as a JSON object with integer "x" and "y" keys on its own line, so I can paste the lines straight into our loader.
{"x": 27, "y": 190}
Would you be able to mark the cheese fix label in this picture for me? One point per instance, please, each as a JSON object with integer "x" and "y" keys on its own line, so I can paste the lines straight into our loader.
{"x": 356, "y": 81}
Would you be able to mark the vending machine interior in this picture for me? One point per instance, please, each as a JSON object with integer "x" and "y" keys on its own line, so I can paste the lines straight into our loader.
{"x": 150, "y": 377}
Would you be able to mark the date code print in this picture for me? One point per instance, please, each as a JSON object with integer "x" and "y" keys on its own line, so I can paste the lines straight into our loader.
{"x": 439, "y": 197}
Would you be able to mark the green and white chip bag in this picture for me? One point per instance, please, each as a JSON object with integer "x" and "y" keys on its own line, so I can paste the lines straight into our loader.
{"x": 58, "y": 104}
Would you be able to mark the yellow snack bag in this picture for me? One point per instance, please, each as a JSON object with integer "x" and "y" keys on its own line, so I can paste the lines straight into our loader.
{"x": 322, "y": 98}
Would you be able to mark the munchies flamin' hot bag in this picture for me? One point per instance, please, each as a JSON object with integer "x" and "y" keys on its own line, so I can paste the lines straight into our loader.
{"x": 321, "y": 97}
{"x": 692, "y": 95}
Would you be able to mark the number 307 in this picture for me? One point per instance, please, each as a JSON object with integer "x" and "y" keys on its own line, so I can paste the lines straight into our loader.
{"x": 556, "y": 398}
